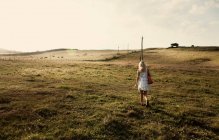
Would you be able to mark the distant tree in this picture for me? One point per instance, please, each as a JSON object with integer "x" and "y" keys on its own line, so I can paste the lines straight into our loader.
{"x": 192, "y": 46}
{"x": 174, "y": 45}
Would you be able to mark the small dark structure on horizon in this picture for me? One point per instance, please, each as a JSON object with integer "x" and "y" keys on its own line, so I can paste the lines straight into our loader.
{"x": 176, "y": 45}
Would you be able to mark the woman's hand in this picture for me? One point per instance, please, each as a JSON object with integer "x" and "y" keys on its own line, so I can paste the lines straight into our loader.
{"x": 135, "y": 85}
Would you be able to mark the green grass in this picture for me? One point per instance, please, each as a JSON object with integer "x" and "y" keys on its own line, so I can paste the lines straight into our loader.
{"x": 97, "y": 100}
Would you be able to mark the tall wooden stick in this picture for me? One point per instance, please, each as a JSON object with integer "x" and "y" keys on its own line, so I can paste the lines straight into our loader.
{"x": 118, "y": 50}
{"x": 142, "y": 55}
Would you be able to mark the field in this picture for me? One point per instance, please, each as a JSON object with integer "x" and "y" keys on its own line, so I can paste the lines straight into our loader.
{"x": 93, "y": 96}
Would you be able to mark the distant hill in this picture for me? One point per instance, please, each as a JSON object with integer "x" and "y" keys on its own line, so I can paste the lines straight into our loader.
{"x": 4, "y": 51}
{"x": 70, "y": 54}
{"x": 197, "y": 48}
{"x": 16, "y": 53}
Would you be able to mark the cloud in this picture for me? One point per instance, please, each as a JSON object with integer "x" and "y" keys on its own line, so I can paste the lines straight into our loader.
{"x": 203, "y": 7}
{"x": 105, "y": 24}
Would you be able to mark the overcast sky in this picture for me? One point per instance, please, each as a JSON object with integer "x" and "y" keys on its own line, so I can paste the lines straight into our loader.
{"x": 31, "y": 25}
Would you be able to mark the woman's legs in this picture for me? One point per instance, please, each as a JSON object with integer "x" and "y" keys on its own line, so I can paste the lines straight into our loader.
{"x": 145, "y": 94}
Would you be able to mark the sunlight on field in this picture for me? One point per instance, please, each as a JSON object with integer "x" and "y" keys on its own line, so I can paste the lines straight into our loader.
{"x": 67, "y": 54}
{"x": 209, "y": 58}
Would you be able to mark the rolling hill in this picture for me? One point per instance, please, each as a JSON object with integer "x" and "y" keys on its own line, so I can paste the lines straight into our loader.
{"x": 67, "y": 54}
{"x": 4, "y": 51}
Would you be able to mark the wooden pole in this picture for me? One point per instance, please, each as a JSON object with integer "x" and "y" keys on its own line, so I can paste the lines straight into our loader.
{"x": 142, "y": 55}
{"x": 118, "y": 50}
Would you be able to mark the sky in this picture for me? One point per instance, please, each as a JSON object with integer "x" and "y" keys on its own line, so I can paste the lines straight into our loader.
{"x": 36, "y": 25}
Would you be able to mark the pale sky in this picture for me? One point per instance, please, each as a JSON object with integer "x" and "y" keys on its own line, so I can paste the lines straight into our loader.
{"x": 31, "y": 25}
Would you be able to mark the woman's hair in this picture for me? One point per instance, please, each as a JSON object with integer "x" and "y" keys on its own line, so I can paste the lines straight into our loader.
{"x": 141, "y": 66}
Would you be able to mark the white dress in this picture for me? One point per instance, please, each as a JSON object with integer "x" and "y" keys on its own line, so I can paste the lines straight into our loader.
{"x": 143, "y": 81}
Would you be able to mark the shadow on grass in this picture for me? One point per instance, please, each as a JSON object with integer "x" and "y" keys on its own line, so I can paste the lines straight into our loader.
{"x": 187, "y": 119}
{"x": 46, "y": 112}
{"x": 116, "y": 129}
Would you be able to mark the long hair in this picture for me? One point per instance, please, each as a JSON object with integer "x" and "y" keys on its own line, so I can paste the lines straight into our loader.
{"x": 141, "y": 66}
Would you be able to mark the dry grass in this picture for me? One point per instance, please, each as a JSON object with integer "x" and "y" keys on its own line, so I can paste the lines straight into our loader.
{"x": 96, "y": 100}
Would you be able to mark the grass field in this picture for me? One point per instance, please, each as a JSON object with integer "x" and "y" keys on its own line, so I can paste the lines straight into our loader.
{"x": 69, "y": 99}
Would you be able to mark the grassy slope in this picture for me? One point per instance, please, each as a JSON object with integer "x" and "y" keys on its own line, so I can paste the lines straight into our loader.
{"x": 97, "y": 100}
{"x": 65, "y": 54}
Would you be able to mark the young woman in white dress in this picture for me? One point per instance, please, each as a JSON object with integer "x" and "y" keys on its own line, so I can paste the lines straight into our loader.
{"x": 142, "y": 82}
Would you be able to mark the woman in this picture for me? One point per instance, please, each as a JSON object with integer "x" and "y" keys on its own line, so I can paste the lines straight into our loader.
{"x": 142, "y": 82}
